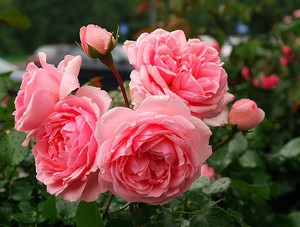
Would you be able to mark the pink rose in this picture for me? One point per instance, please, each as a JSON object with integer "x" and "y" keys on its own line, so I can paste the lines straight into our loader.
{"x": 245, "y": 114}
{"x": 286, "y": 50}
{"x": 270, "y": 82}
{"x": 283, "y": 60}
{"x": 190, "y": 70}
{"x": 288, "y": 55}
{"x": 66, "y": 149}
{"x": 96, "y": 41}
{"x": 42, "y": 88}
{"x": 287, "y": 19}
{"x": 154, "y": 153}
{"x": 296, "y": 13}
{"x": 208, "y": 171}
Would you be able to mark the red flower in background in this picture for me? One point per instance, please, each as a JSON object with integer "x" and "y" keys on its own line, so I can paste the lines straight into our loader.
{"x": 270, "y": 82}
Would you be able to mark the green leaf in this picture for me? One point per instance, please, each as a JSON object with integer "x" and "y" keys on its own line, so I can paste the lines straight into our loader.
{"x": 5, "y": 213}
{"x": 224, "y": 156}
{"x": 200, "y": 200}
{"x": 261, "y": 190}
{"x": 15, "y": 18}
{"x": 27, "y": 214}
{"x": 250, "y": 159}
{"x": 212, "y": 217}
{"x": 294, "y": 217}
{"x": 88, "y": 215}
{"x": 217, "y": 186}
{"x": 49, "y": 208}
{"x": 4, "y": 79}
{"x": 201, "y": 182}
{"x": 66, "y": 210}
{"x": 21, "y": 189}
{"x": 11, "y": 150}
{"x": 291, "y": 149}
{"x": 238, "y": 144}
{"x": 117, "y": 222}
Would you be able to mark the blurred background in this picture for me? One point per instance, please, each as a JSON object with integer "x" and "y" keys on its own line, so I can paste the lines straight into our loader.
{"x": 52, "y": 26}
{"x": 259, "y": 42}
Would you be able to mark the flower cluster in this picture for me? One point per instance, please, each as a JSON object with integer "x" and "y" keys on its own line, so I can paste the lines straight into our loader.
{"x": 151, "y": 153}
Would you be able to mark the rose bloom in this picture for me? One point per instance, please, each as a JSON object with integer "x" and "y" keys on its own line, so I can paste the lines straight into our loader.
{"x": 286, "y": 50}
{"x": 245, "y": 114}
{"x": 99, "y": 39}
{"x": 66, "y": 149}
{"x": 270, "y": 82}
{"x": 296, "y": 13}
{"x": 42, "y": 88}
{"x": 151, "y": 154}
{"x": 190, "y": 70}
{"x": 208, "y": 171}
{"x": 284, "y": 61}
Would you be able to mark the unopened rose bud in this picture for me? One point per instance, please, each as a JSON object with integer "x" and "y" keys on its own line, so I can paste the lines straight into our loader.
{"x": 96, "y": 41}
{"x": 245, "y": 114}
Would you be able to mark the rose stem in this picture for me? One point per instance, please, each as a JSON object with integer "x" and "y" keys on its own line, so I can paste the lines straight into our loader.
{"x": 233, "y": 132}
{"x": 120, "y": 82}
{"x": 107, "y": 206}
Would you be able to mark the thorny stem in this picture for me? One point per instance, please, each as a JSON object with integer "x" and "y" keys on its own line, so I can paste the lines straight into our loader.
{"x": 107, "y": 206}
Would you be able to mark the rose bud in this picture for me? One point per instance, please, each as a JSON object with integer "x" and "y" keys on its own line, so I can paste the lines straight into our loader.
{"x": 245, "y": 114}
{"x": 96, "y": 41}
{"x": 270, "y": 82}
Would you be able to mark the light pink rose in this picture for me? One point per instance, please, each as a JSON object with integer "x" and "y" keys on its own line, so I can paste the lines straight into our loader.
{"x": 208, "y": 171}
{"x": 270, "y": 82}
{"x": 98, "y": 38}
{"x": 151, "y": 154}
{"x": 245, "y": 114}
{"x": 296, "y": 13}
{"x": 190, "y": 70}
{"x": 66, "y": 149}
{"x": 42, "y": 88}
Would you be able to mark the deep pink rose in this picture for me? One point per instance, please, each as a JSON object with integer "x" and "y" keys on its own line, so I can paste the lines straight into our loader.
{"x": 284, "y": 61}
{"x": 286, "y": 50}
{"x": 270, "y": 82}
{"x": 190, "y": 70}
{"x": 42, "y": 88}
{"x": 245, "y": 114}
{"x": 98, "y": 38}
{"x": 154, "y": 153}
{"x": 66, "y": 149}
